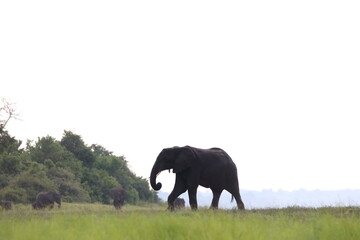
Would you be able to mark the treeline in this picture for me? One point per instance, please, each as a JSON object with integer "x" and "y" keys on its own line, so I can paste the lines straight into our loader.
{"x": 79, "y": 172}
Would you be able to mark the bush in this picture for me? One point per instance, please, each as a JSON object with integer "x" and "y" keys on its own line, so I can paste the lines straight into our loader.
{"x": 69, "y": 187}
{"x": 78, "y": 172}
{"x": 16, "y": 195}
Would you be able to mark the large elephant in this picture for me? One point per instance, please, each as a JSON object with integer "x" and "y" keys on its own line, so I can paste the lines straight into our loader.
{"x": 46, "y": 199}
{"x": 179, "y": 203}
{"x": 119, "y": 195}
{"x": 211, "y": 168}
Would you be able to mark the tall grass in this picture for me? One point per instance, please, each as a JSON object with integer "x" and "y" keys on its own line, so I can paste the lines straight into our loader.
{"x": 96, "y": 221}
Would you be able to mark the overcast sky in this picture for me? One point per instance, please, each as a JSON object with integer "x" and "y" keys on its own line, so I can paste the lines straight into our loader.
{"x": 276, "y": 84}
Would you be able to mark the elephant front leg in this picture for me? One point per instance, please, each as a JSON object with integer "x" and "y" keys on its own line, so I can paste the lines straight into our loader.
{"x": 179, "y": 188}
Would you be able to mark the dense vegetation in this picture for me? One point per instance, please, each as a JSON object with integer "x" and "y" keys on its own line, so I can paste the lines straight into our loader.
{"x": 79, "y": 172}
{"x": 97, "y": 221}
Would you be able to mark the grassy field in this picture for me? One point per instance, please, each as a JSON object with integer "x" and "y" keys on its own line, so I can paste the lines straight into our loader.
{"x": 96, "y": 221}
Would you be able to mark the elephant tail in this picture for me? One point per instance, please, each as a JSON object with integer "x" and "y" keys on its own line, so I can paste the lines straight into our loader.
{"x": 232, "y": 198}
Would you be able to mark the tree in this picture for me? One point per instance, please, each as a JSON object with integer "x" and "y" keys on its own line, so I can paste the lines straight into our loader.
{"x": 23, "y": 187}
{"x": 97, "y": 182}
{"x": 79, "y": 172}
{"x": 142, "y": 187}
{"x": 47, "y": 150}
{"x": 11, "y": 164}
{"x": 100, "y": 151}
{"x": 8, "y": 144}
{"x": 76, "y": 145}
{"x": 7, "y": 111}
{"x": 68, "y": 186}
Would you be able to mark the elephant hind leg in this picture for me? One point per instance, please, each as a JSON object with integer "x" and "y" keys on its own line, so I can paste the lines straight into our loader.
{"x": 192, "y": 198}
{"x": 239, "y": 202}
{"x": 216, "y": 197}
{"x": 236, "y": 194}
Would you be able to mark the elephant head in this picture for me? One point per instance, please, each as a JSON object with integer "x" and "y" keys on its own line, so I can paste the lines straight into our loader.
{"x": 176, "y": 158}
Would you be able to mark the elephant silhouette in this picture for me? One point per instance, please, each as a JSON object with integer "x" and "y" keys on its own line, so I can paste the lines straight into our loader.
{"x": 211, "y": 168}
{"x": 179, "y": 203}
{"x": 46, "y": 199}
{"x": 118, "y": 195}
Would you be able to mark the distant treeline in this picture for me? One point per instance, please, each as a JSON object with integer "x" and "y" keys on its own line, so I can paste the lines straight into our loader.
{"x": 79, "y": 172}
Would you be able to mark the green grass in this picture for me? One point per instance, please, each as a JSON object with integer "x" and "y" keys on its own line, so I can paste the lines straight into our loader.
{"x": 96, "y": 221}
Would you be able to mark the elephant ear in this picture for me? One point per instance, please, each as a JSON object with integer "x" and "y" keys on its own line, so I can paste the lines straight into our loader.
{"x": 185, "y": 158}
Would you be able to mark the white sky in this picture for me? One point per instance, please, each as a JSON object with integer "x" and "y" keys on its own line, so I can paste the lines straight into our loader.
{"x": 274, "y": 83}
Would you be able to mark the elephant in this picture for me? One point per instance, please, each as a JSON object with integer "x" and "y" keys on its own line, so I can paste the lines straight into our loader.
{"x": 179, "y": 203}
{"x": 46, "y": 199}
{"x": 7, "y": 205}
{"x": 211, "y": 168}
{"x": 119, "y": 195}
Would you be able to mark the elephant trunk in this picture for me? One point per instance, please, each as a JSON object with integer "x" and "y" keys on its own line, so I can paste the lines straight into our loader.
{"x": 154, "y": 172}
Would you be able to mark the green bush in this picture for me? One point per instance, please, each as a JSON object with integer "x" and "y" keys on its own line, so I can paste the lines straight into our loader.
{"x": 78, "y": 172}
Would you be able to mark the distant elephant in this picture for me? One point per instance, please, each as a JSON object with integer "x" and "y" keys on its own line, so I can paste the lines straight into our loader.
{"x": 47, "y": 199}
{"x": 7, "y": 205}
{"x": 179, "y": 203}
{"x": 211, "y": 168}
{"x": 119, "y": 195}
